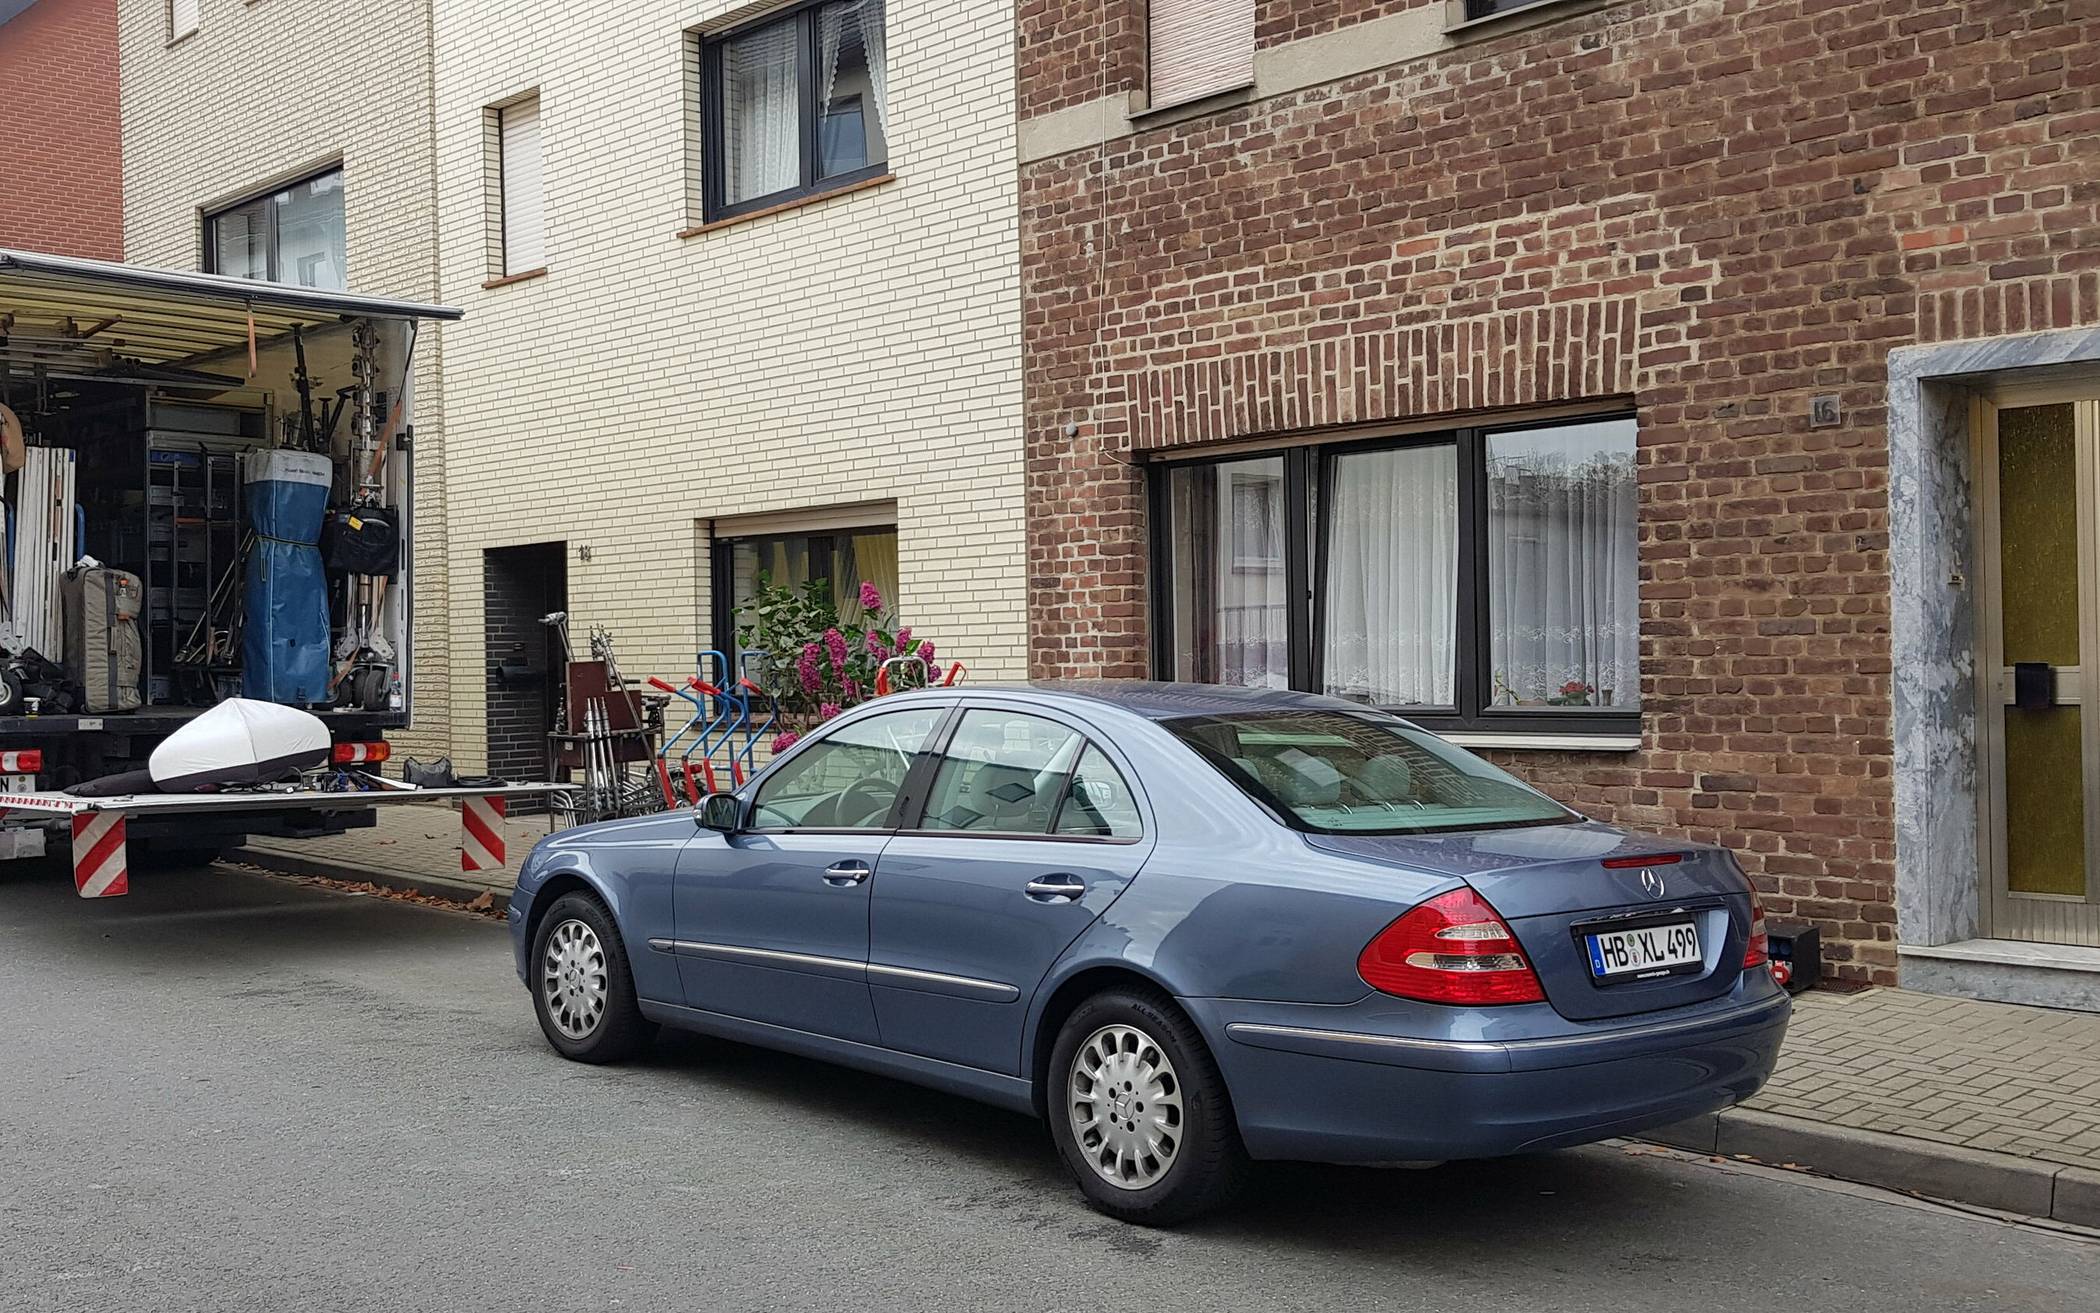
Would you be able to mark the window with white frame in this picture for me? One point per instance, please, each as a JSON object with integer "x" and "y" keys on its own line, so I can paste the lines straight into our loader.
{"x": 523, "y": 199}
{"x": 796, "y": 105}
{"x": 183, "y": 17}
{"x": 1197, "y": 48}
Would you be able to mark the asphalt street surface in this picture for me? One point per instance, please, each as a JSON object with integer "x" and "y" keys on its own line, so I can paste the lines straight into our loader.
{"x": 229, "y": 1091}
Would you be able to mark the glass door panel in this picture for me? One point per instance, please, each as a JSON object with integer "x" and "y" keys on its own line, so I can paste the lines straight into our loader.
{"x": 2038, "y": 473}
{"x": 2039, "y": 622}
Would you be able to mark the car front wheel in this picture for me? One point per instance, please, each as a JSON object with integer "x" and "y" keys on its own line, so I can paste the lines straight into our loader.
{"x": 582, "y": 988}
{"x": 1139, "y": 1111}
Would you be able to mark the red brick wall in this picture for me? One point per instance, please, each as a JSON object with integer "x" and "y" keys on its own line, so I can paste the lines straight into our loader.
{"x": 61, "y": 170}
{"x": 1074, "y": 51}
{"x": 1722, "y": 208}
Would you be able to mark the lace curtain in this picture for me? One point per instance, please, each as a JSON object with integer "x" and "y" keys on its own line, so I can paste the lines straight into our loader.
{"x": 762, "y": 113}
{"x": 1563, "y": 576}
{"x": 859, "y": 22}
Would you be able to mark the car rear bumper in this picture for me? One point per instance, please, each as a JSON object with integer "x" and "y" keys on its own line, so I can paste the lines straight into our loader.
{"x": 1306, "y": 1085}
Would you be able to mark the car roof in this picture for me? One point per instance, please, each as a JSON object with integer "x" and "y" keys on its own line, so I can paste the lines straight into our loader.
{"x": 1160, "y": 700}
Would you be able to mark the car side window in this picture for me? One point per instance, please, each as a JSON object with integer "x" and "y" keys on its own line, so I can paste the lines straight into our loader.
{"x": 1098, "y": 803}
{"x": 1001, "y": 773}
{"x": 847, "y": 780}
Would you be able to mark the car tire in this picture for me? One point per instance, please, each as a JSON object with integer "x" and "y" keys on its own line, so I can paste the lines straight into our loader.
{"x": 582, "y": 987}
{"x": 1156, "y": 1161}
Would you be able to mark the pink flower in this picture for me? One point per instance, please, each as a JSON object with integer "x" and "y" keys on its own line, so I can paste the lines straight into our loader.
{"x": 828, "y": 710}
{"x": 853, "y": 690}
{"x": 874, "y": 646}
{"x": 904, "y": 639}
{"x": 835, "y": 643}
{"x": 806, "y": 669}
{"x": 926, "y": 651}
{"x": 782, "y": 742}
{"x": 870, "y": 598}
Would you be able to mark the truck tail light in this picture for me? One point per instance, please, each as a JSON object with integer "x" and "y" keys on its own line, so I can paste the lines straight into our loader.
{"x": 362, "y": 754}
{"x": 1452, "y": 949}
{"x": 26, "y": 762}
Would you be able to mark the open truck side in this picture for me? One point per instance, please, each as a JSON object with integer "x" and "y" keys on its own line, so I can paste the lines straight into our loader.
{"x": 182, "y": 430}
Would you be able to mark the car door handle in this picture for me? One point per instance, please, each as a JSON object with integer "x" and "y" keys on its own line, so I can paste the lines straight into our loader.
{"x": 843, "y": 874}
{"x": 1053, "y": 887}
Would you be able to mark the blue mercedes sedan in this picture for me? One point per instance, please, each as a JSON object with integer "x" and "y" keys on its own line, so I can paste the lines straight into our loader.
{"x": 1186, "y": 926}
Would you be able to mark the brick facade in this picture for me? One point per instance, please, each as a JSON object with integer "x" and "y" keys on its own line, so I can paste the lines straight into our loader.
{"x": 1721, "y": 209}
{"x": 61, "y": 154}
{"x": 663, "y": 375}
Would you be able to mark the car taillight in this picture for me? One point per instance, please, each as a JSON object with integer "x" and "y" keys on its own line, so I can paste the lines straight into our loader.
{"x": 1451, "y": 949}
{"x": 362, "y": 754}
{"x": 1759, "y": 950}
{"x": 28, "y": 761}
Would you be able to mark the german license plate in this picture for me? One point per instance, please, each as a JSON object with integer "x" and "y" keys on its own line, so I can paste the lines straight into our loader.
{"x": 17, "y": 784}
{"x": 1650, "y": 950}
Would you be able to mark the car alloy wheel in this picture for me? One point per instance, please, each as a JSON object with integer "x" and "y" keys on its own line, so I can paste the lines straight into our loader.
{"x": 574, "y": 980}
{"x": 1124, "y": 1102}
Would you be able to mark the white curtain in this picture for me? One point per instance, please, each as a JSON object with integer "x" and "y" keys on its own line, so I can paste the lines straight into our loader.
{"x": 1392, "y": 577}
{"x": 1563, "y": 573}
{"x": 877, "y": 41}
{"x": 762, "y": 134}
{"x": 837, "y": 28}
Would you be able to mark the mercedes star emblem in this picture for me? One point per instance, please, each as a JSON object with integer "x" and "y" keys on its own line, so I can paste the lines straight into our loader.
{"x": 1651, "y": 882}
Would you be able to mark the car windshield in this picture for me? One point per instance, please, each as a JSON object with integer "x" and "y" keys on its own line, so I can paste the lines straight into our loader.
{"x": 1344, "y": 772}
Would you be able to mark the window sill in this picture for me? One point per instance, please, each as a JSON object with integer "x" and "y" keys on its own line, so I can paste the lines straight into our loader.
{"x": 175, "y": 41}
{"x": 1189, "y": 107}
{"x": 815, "y": 198}
{"x": 1543, "y": 742}
{"x": 507, "y": 279}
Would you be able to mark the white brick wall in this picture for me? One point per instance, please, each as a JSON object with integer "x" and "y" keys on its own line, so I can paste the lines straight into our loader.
{"x": 270, "y": 90}
{"x": 864, "y": 348}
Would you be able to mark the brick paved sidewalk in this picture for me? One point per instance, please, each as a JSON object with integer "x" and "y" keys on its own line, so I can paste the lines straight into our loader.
{"x": 1992, "y": 1076}
{"x": 1983, "y": 1103}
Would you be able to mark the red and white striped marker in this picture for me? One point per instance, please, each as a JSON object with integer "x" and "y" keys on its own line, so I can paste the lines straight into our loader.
{"x": 98, "y": 855}
{"x": 481, "y": 834}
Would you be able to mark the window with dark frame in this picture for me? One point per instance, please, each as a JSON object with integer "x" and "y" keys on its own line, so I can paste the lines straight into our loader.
{"x": 847, "y": 558}
{"x": 292, "y": 234}
{"x": 1489, "y": 8}
{"x": 1481, "y": 579}
{"x": 794, "y": 106}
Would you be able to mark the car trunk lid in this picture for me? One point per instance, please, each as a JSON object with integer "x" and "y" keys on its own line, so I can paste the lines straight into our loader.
{"x": 1557, "y": 886}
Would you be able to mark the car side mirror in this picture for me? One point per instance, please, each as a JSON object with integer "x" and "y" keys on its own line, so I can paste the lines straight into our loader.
{"x": 721, "y": 811}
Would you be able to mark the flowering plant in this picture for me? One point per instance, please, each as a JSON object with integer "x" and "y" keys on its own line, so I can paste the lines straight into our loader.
{"x": 820, "y": 662}
{"x": 1574, "y": 693}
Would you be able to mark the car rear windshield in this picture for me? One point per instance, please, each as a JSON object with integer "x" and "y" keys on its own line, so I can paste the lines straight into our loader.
{"x": 1342, "y": 772}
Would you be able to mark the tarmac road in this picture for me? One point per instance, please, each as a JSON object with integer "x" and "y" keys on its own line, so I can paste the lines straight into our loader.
{"x": 230, "y": 1091}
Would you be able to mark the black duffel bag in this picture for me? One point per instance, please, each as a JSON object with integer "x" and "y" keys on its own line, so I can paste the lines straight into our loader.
{"x": 362, "y": 540}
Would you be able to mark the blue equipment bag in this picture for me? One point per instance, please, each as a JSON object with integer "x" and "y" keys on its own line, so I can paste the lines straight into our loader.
{"x": 285, "y": 644}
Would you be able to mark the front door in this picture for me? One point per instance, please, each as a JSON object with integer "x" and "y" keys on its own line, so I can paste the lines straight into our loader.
{"x": 772, "y": 922}
{"x": 2039, "y": 550}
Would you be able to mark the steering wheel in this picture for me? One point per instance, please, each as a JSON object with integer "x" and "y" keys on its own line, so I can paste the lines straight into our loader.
{"x": 863, "y": 801}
